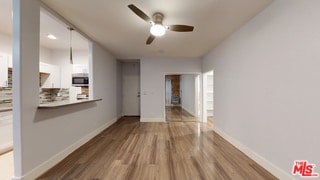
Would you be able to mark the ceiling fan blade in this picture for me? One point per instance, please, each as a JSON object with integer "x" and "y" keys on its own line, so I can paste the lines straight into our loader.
{"x": 150, "y": 39}
{"x": 180, "y": 28}
{"x": 140, "y": 13}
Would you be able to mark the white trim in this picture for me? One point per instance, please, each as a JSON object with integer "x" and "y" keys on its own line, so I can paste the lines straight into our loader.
{"x": 273, "y": 169}
{"x": 152, "y": 120}
{"x": 42, "y": 168}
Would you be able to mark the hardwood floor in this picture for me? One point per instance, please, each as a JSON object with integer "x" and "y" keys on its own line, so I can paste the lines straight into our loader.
{"x": 6, "y": 166}
{"x": 157, "y": 151}
{"x": 177, "y": 113}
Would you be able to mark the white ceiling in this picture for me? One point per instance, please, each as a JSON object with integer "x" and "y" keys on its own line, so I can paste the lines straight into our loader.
{"x": 113, "y": 25}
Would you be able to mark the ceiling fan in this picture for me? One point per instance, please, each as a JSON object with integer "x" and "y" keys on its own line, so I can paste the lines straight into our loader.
{"x": 157, "y": 28}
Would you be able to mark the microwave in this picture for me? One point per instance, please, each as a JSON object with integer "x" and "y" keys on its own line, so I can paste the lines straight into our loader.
{"x": 80, "y": 79}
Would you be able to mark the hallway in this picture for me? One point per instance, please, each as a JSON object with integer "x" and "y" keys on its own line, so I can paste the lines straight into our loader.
{"x": 174, "y": 150}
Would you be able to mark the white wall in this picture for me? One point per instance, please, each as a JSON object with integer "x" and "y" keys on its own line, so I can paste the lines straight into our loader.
{"x": 61, "y": 57}
{"x": 153, "y": 71}
{"x": 45, "y": 55}
{"x": 105, "y": 83}
{"x": 267, "y": 84}
{"x": 5, "y": 43}
{"x": 42, "y": 137}
{"x": 119, "y": 88}
{"x": 188, "y": 96}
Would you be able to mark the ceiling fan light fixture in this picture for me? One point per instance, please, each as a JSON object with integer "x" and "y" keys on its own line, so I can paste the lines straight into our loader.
{"x": 157, "y": 30}
{"x": 157, "y": 27}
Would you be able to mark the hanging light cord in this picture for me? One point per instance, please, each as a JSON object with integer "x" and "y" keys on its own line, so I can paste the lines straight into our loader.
{"x": 71, "y": 59}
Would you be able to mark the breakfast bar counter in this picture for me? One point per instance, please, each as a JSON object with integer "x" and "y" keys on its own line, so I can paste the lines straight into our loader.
{"x": 58, "y": 104}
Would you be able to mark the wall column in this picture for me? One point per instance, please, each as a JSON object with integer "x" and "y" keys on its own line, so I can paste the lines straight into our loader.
{"x": 26, "y": 20}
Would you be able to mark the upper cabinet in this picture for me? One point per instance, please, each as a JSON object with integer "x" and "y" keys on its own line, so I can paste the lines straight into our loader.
{"x": 3, "y": 70}
{"x": 80, "y": 68}
{"x": 55, "y": 76}
{"x": 44, "y": 68}
{"x": 49, "y": 76}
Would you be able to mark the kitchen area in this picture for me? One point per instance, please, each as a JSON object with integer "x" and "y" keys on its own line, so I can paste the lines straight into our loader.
{"x": 63, "y": 72}
{"x": 53, "y": 88}
{"x": 5, "y": 104}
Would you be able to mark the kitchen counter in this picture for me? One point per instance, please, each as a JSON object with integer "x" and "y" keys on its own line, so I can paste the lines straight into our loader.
{"x": 58, "y": 104}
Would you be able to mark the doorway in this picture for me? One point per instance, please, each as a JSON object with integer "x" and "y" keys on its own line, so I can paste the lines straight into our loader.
{"x": 182, "y": 97}
{"x": 208, "y": 97}
{"x": 131, "y": 88}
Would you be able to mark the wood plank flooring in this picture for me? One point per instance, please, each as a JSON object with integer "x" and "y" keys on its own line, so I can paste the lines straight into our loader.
{"x": 177, "y": 113}
{"x": 157, "y": 151}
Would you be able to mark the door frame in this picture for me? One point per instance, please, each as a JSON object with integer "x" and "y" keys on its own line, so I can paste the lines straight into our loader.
{"x": 204, "y": 95}
{"x": 139, "y": 87}
{"x": 199, "y": 107}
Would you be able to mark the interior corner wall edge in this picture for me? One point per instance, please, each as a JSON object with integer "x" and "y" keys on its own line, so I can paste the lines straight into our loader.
{"x": 266, "y": 83}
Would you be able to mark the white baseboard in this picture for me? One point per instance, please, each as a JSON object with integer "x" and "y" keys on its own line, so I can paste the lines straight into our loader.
{"x": 152, "y": 120}
{"x": 276, "y": 171}
{"x": 42, "y": 168}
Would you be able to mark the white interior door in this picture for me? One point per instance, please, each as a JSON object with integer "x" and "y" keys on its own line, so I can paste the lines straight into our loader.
{"x": 131, "y": 88}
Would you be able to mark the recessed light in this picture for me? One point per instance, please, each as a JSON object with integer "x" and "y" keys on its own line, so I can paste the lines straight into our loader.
{"x": 51, "y": 36}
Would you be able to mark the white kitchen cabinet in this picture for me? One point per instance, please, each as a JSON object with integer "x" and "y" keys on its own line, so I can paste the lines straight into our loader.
{"x": 55, "y": 76}
{"x": 3, "y": 70}
{"x": 49, "y": 75}
{"x": 44, "y": 67}
{"x": 80, "y": 68}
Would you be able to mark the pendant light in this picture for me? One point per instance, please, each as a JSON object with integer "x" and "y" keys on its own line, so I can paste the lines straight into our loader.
{"x": 71, "y": 29}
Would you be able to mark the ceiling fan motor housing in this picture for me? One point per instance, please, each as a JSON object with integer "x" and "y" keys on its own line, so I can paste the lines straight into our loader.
{"x": 158, "y": 17}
